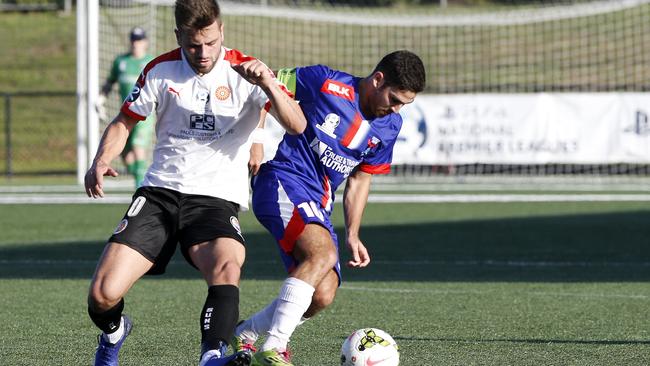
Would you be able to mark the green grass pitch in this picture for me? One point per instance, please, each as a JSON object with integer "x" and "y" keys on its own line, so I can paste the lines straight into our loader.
{"x": 455, "y": 284}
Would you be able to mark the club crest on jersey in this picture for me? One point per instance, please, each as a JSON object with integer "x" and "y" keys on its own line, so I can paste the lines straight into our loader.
{"x": 330, "y": 123}
{"x": 135, "y": 94}
{"x": 121, "y": 226}
{"x": 202, "y": 96}
{"x": 373, "y": 145}
{"x": 222, "y": 92}
{"x": 338, "y": 89}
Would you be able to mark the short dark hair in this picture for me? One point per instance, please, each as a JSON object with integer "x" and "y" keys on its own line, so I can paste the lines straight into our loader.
{"x": 403, "y": 70}
{"x": 194, "y": 15}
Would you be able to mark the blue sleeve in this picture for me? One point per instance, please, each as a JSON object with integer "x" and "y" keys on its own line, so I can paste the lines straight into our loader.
{"x": 309, "y": 80}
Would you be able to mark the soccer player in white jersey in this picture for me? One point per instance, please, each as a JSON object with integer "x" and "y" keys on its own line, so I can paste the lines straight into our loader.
{"x": 208, "y": 100}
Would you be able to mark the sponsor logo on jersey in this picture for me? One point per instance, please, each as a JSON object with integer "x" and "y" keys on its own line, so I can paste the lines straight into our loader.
{"x": 135, "y": 94}
{"x": 121, "y": 226}
{"x": 222, "y": 92}
{"x": 331, "y": 160}
{"x": 174, "y": 91}
{"x": 338, "y": 89}
{"x": 330, "y": 123}
{"x": 204, "y": 122}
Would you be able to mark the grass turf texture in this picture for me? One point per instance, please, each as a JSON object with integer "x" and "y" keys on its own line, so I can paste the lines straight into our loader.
{"x": 455, "y": 284}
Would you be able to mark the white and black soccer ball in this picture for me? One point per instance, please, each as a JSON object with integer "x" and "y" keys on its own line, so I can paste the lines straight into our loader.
{"x": 369, "y": 346}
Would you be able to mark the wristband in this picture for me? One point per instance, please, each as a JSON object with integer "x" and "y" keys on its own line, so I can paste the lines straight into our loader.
{"x": 258, "y": 136}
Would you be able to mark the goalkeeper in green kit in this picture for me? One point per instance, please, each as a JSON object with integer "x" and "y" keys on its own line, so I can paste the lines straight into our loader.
{"x": 125, "y": 71}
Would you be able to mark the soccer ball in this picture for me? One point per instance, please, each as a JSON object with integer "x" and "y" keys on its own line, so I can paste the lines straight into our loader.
{"x": 369, "y": 346}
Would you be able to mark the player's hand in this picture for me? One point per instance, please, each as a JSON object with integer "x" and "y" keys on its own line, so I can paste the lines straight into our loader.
{"x": 255, "y": 72}
{"x": 360, "y": 257}
{"x": 94, "y": 179}
{"x": 257, "y": 154}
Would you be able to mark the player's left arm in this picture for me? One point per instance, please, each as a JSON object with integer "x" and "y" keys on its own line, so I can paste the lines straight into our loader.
{"x": 284, "y": 108}
{"x": 355, "y": 198}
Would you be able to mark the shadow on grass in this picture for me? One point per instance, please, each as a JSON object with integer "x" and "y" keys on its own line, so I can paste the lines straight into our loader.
{"x": 584, "y": 248}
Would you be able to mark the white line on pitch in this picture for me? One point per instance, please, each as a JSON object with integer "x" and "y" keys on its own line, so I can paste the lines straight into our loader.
{"x": 484, "y": 292}
{"x": 488, "y": 262}
{"x": 376, "y": 198}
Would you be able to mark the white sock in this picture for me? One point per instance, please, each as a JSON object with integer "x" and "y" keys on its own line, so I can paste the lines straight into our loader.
{"x": 293, "y": 301}
{"x": 259, "y": 323}
{"x": 116, "y": 335}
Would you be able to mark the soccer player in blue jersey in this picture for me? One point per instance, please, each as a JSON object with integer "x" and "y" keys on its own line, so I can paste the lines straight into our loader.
{"x": 352, "y": 126}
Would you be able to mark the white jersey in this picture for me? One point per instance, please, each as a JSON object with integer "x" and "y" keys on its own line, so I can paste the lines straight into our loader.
{"x": 203, "y": 125}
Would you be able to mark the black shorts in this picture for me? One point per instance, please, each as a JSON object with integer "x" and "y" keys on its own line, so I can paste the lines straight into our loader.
{"x": 158, "y": 219}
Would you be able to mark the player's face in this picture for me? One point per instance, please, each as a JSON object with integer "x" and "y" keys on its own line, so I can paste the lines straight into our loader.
{"x": 380, "y": 100}
{"x": 139, "y": 48}
{"x": 202, "y": 48}
{"x": 387, "y": 100}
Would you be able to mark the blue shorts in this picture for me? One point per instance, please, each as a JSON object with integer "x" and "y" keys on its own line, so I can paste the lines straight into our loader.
{"x": 283, "y": 206}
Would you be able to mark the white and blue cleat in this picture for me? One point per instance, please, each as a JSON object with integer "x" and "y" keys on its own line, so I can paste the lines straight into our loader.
{"x": 107, "y": 353}
{"x": 214, "y": 358}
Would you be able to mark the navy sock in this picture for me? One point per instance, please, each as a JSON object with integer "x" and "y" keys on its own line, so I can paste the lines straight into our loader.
{"x": 219, "y": 317}
{"x": 108, "y": 321}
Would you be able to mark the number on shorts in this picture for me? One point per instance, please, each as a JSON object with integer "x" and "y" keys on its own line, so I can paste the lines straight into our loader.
{"x": 136, "y": 206}
{"x": 312, "y": 210}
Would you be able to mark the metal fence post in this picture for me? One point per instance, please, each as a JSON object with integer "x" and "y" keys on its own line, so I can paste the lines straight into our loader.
{"x": 8, "y": 167}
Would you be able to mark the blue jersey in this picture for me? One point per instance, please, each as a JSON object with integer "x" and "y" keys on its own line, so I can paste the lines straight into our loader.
{"x": 337, "y": 139}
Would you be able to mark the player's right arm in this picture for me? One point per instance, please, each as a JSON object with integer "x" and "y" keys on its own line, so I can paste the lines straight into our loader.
{"x": 282, "y": 106}
{"x": 110, "y": 146}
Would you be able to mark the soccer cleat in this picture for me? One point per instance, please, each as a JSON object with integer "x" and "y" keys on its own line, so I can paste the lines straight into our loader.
{"x": 271, "y": 357}
{"x": 238, "y": 359}
{"x": 107, "y": 353}
{"x": 240, "y": 344}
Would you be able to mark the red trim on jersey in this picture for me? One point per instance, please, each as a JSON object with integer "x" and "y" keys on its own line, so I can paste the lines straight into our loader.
{"x": 354, "y": 127}
{"x": 375, "y": 169}
{"x": 125, "y": 109}
{"x": 338, "y": 89}
{"x": 236, "y": 57}
{"x": 174, "y": 55}
{"x": 326, "y": 188}
{"x": 295, "y": 226}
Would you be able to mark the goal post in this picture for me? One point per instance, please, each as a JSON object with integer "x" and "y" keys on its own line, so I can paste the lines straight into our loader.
{"x": 88, "y": 127}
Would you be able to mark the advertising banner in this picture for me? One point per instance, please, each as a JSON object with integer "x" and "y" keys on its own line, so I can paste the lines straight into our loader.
{"x": 558, "y": 128}
{"x": 571, "y": 128}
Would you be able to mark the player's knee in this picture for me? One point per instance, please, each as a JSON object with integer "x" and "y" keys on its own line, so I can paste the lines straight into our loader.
{"x": 102, "y": 296}
{"x": 226, "y": 272}
{"x": 323, "y": 298}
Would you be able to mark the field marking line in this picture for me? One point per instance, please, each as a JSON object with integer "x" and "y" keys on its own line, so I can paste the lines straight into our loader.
{"x": 486, "y": 292}
{"x": 514, "y": 263}
{"x": 488, "y": 262}
{"x": 375, "y": 198}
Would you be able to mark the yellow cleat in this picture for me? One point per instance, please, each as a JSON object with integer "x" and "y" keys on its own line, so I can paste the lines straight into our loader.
{"x": 271, "y": 358}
